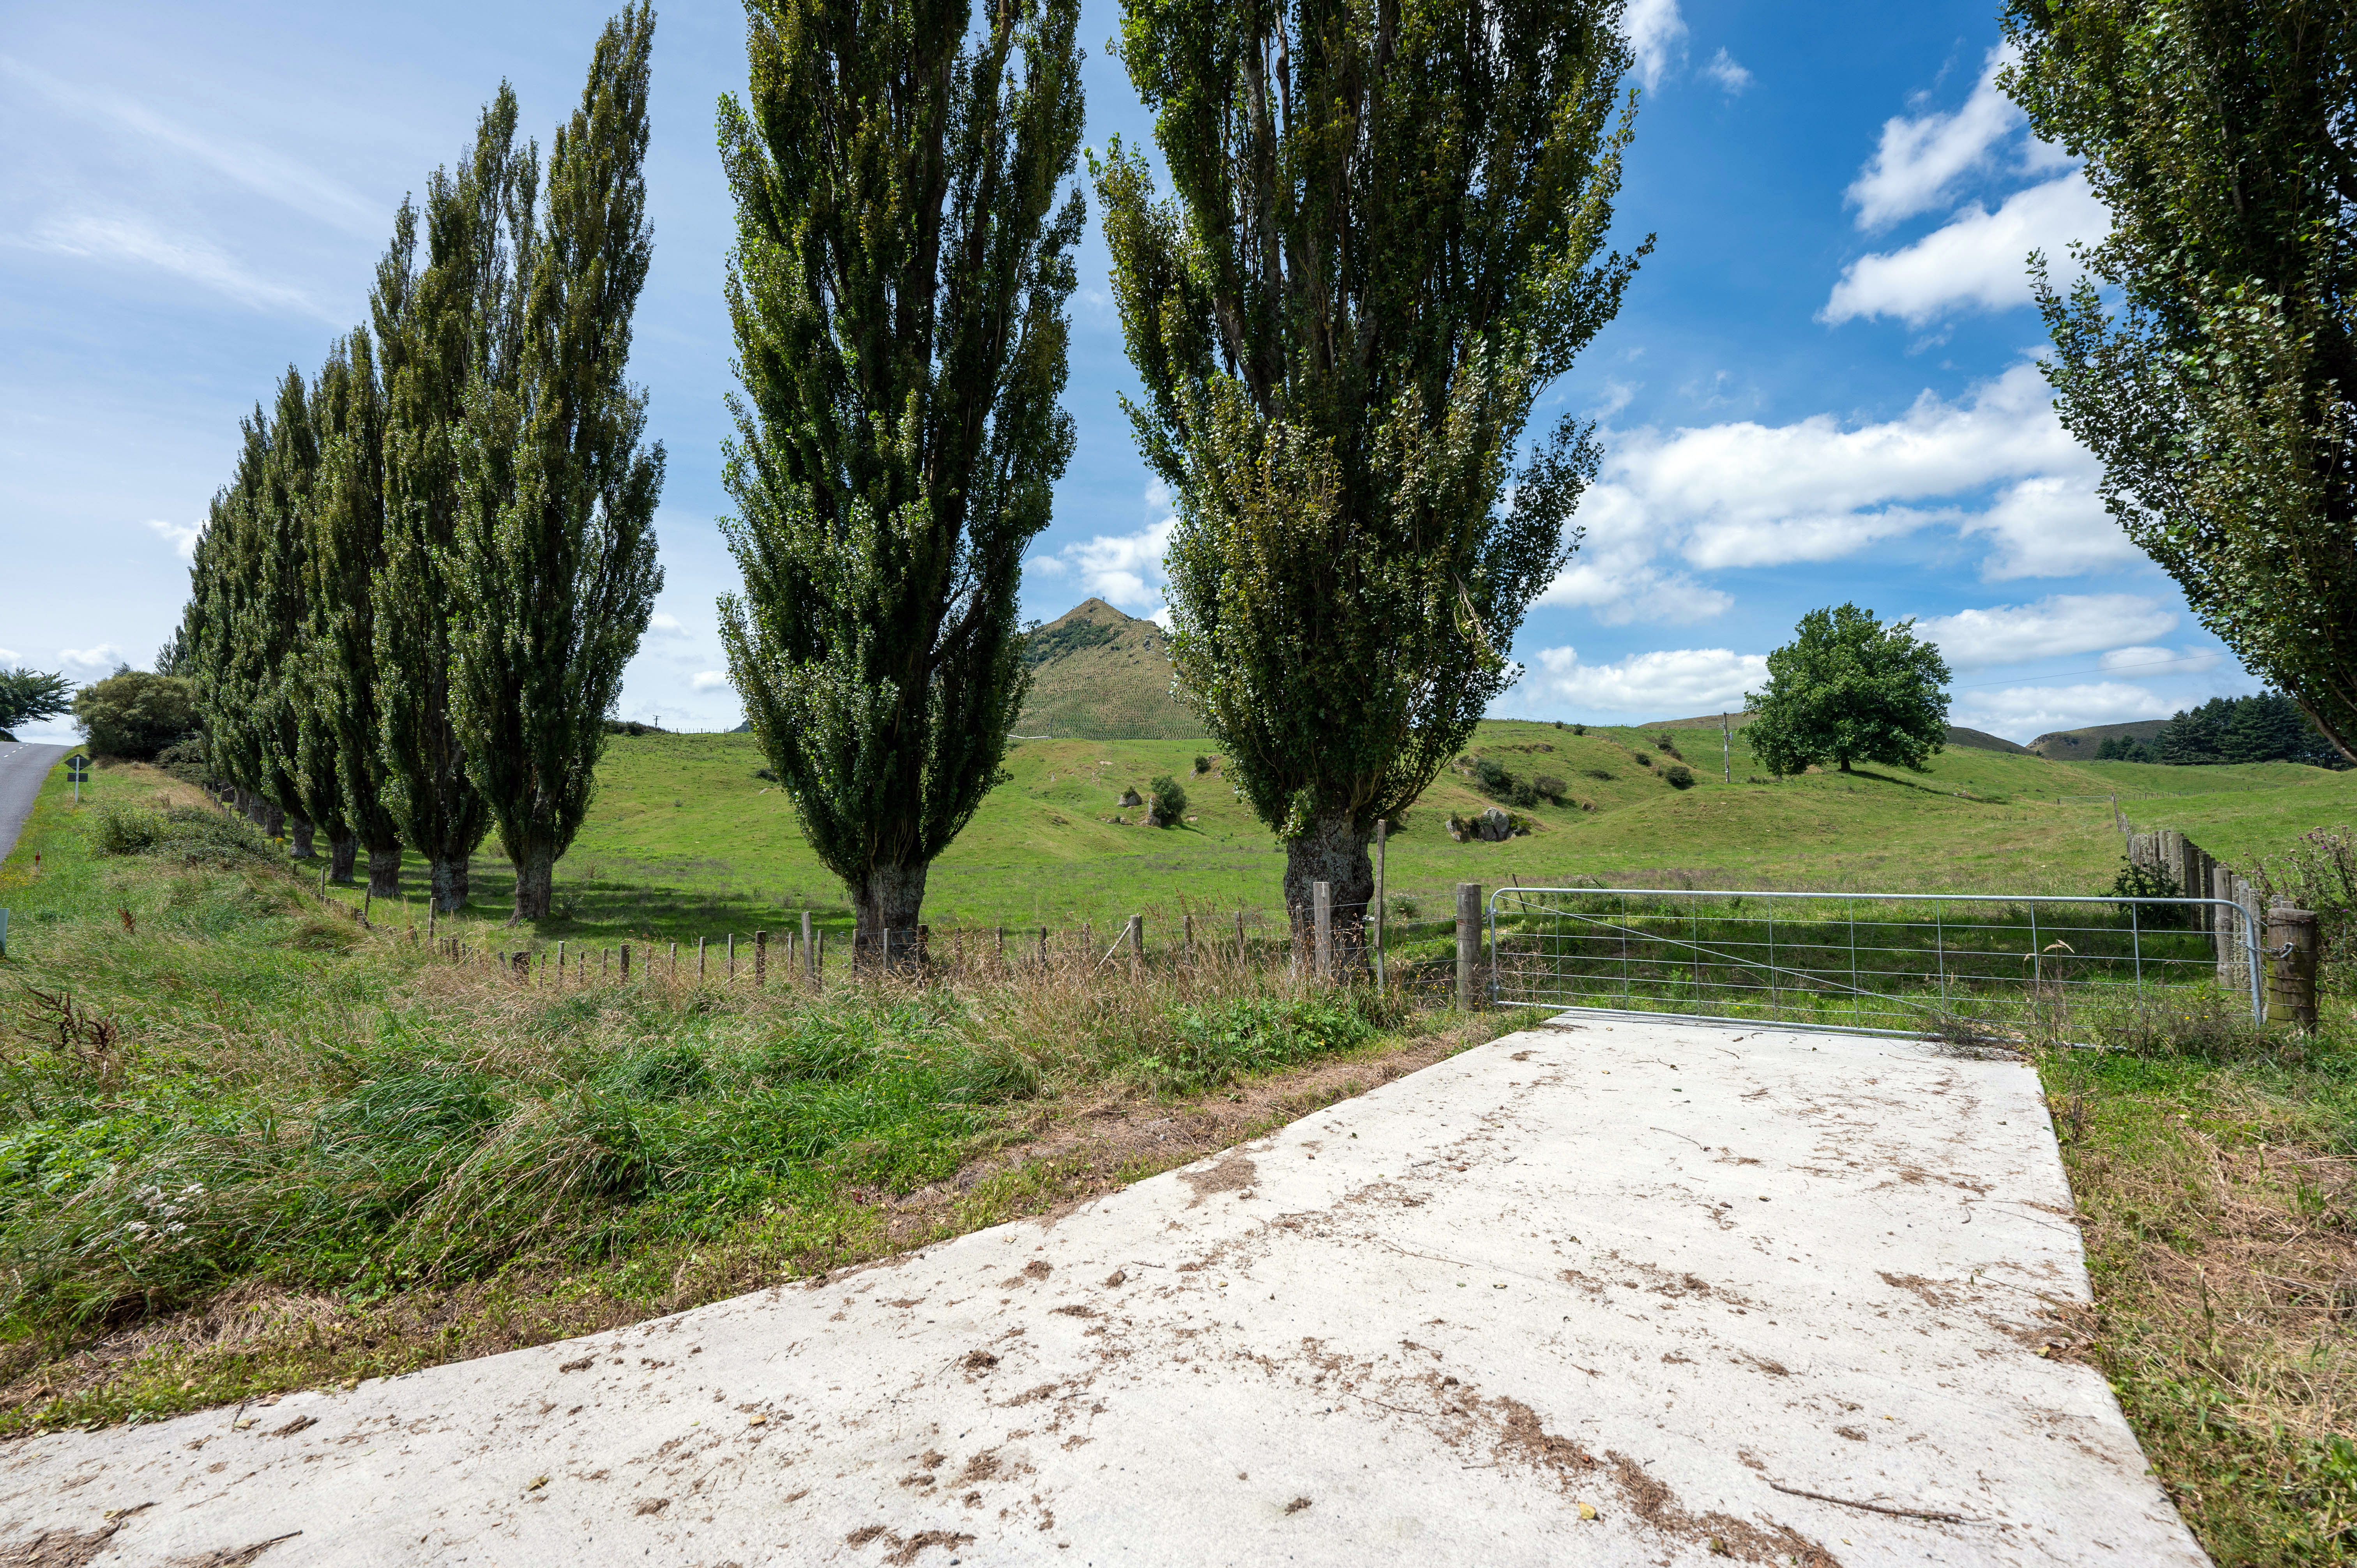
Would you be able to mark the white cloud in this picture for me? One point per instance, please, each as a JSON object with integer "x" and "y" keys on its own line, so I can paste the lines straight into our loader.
{"x": 2020, "y": 713}
{"x": 126, "y": 239}
{"x": 1747, "y": 494}
{"x": 1617, "y": 395}
{"x": 1920, "y": 156}
{"x": 105, "y": 656}
{"x": 180, "y": 536}
{"x": 9, "y": 656}
{"x": 1614, "y": 576}
{"x": 661, "y": 625}
{"x": 1657, "y": 37}
{"x": 2053, "y": 526}
{"x": 1122, "y": 569}
{"x": 709, "y": 680}
{"x": 1666, "y": 683}
{"x": 1978, "y": 258}
{"x": 2058, "y": 624}
{"x": 260, "y": 169}
{"x": 1163, "y": 618}
{"x": 1730, "y": 75}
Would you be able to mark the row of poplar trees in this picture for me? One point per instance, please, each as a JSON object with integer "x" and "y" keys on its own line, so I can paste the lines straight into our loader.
{"x": 412, "y": 604}
{"x": 1381, "y": 244}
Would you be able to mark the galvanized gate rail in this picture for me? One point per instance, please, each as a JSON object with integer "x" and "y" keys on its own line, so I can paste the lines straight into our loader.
{"x": 1926, "y": 960}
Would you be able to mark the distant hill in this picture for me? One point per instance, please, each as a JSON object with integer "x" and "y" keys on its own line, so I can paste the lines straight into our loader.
{"x": 1098, "y": 674}
{"x": 2080, "y": 744}
{"x": 1980, "y": 740}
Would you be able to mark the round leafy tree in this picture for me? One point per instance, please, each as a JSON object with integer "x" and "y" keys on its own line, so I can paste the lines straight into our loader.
{"x": 1849, "y": 689}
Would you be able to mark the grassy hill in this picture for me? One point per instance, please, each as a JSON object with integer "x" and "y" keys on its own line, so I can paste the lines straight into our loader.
{"x": 1957, "y": 735}
{"x": 1098, "y": 673}
{"x": 2080, "y": 744}
{"x": 685, "y": 839}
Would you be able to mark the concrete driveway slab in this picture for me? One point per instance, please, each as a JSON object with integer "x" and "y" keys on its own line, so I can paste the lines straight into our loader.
{"x": 1599, "y": 1291}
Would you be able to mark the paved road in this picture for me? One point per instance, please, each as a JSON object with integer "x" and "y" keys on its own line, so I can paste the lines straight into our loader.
{"x": 22, "y": 769}
{"x": 1608, "y": 1293}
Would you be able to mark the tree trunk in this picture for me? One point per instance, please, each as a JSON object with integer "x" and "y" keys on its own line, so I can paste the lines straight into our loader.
{"x": 341, "y": 851}
{"x": 890, "y": 900}
{"x": 274, "y": 818}
{"x": 1845, "y": 762}
{"x": 300, "y": 827}
{"x": 450, "y": 883}
{"x": 384, "y": 873}
{"x": 535, "y": 877}
{"x": 1335, "y": 852}
{"x": 250, "y": 804}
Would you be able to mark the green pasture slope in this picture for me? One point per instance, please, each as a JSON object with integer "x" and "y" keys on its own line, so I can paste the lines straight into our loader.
{"x": 685, "y": 839}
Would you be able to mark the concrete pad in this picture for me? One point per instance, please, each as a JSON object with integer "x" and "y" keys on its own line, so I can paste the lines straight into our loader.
{"x": 1600, "y": 1292}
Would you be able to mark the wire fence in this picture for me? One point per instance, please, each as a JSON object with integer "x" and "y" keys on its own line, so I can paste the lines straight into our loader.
{"x": 1879, "y": 963}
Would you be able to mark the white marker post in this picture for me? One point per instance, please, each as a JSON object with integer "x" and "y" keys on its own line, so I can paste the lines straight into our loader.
{"x": 78, "y": 771}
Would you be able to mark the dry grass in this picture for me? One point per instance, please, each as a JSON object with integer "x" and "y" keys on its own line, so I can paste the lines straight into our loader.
{"x": 2220, "y": 1205}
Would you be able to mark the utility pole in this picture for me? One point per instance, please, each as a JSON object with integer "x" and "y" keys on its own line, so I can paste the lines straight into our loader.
{"x": 1725, "y": 747}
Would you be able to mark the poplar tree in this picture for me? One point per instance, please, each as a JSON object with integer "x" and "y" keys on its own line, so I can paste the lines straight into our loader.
{"x": 256, "y": 604}
{"x": 2209, "y": 355}
{"x": 897, "y": 293}
{"x": 453, "y": 332}
{"x": 552, "y": 574}
{"x": 1382, "y": 250}
{"x": 214, "y": 586}
{"x": 345, "y": 549}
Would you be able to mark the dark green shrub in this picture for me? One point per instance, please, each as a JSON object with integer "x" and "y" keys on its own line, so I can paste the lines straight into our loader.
{"x": 134, "y": 714}
{"x": 1202, "y": 765}
{"x": 184, "y": 760}
{"x": 1579, "y": 729}
{"x": 1552, "y": 788}
{"x": 1679, "y": 775}
{"x": 1604, "y": 773}
{"x": 2146, "y": 882}
{"x": 1489, "y": 776}
{"x": 1169, "y": 798}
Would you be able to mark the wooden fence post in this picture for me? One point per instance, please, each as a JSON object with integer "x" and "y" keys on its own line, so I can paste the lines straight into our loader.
{"x": 560, "y": 965}
{"x": 674, "y": 960}
{"x": 1135, "y": 935}
{"x": 699, "y": 957}
{"x": 1000, "y": 933}
{"x": 1382, "y": 834}
{"x": 626, "y": 961}
{"x": 1186, "y": 941}
{"x": 732, "y": 958}
{"x": 760, "y": 958}
{"x": 2291, "y": 968}
{"x": 1043, "y": 949}
{"x": 1469, "y": 942}
{"x": 1321, "y": 919}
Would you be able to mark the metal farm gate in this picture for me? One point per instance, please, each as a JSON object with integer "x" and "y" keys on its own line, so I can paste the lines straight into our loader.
{"x": 1883, "y": 963}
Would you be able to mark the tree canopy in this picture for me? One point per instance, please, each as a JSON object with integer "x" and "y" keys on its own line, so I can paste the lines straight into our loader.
{"x": 1382, "y": 246}
{"x": 2218, "y": 393}
{"x": 27, "y": 696}
{"x": 1848, "y": 688}
{"x": 134, "y": 713}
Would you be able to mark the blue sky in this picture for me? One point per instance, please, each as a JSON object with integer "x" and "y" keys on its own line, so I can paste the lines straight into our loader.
{"x": 1822, "y": 387}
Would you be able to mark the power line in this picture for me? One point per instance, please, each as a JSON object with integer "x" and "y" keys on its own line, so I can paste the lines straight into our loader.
{"x": 2068, "y": 674}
